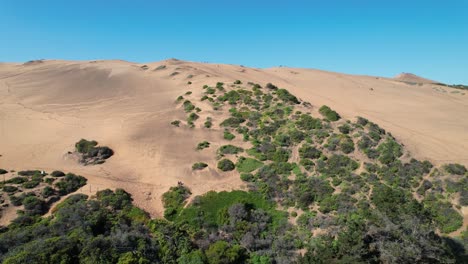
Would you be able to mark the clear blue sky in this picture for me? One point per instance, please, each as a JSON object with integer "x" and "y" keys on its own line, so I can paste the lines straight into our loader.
{"x": 373, "y": 37}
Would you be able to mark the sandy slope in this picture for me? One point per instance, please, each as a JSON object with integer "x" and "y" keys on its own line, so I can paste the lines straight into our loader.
{"x": 46, "y": 107}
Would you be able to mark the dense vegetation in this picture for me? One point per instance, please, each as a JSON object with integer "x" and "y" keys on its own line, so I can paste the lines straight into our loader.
{"x": 354, "y": 195}
{"x": 352, "y": 189}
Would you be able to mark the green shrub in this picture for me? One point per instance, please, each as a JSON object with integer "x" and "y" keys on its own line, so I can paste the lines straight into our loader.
{"x": 188, "y": 106}
{"x": 188, "y": 93}
{"x": 48, "y": 191}
{"x": 229, "y": 149}
{"x": 329, "y": 114}
{"x": 57, "y": 174}
{"x": 232, "y": 122}
{"x": 309, "y": 152}
{"x": 85, "y": 146}
{"x": 70, "y": 183}
{"x": 285, "y": 96}
{"x": 248, "y": 177}
{"x": 203, "y": 145}
{"x": 247, "y": 165}
{"x": 457, "y": 169}
{"x": 228, "y": 135}
{"x": 199, "y": 166}
{"x": 237, "y": 82}
{"x": 9, "y": 189}
{"x": 345, "y": 129}
{"x": 29, "y": 172}
{"x": 306, "y": 122}
{"x": 31, "y": 184}
{"x": 226, "y": 165}
{"x": 192, "y": 117}
{"x": 176, "y": 123}
{"x": 390, "y": 151}
{"x": 174, "y": 200}
{"x": 270, "y": 86}
{"x": 208, "y": 122}
{"x": 17, "y": 180}
{"x": 2, "y": 171}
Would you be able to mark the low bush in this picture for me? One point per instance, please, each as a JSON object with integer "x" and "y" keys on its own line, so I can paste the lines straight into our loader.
{"x": 29, "y": 172}
{"x": 199, "y": 166}
{"x": 17, "y": 180}
{"x": 208, "y": 123}
{"x": 2, "y": 171}
{"x": 285, "y": 96}
{"x": 85, "y": 146}
{"x": 226, "y": 165}
{"x": 176, "y": 123}
{"x": 228, "y": 135}
{"x": 329, "y": 114}
{"x": 229, "y": 149}
{"x": 57, "y": 174}
{"x": 31, "y": 184}
{"x": 9, "y": 189}
{"x": 232, "y": 122}
{"x": 70, "y": 183}
{"x": 237, "y": 82}
{"x": 453, "y": 168}
{"x": 203, "y": 145}
{"x": 188, "y": 106}
{"x": 246, "y": 165}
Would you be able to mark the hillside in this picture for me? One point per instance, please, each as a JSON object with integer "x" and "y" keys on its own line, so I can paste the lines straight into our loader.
{"x": 47, "y": 106}
{"x": 185, "y": 129}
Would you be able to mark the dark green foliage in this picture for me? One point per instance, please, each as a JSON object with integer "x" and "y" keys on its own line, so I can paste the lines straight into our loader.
{"x": 457, "y": 169}
{"x": 9, "y": 189}
{"x": 226, "y": 165}
{"x": 2, "y": 171}
{"x": 309, "y": 152}
{"x": 271, "y": 86}
{"x": 176, "y": 123}
{"x": 174, "y": 200}
{"x": 232, "y": 122}
{"x": 57, "y": 174}
{"x": 345, "y": 129}
{"x": 446, "y": 218}
{"x": 306, "y": 122}
{"x": 85, "y": 146}
{"x": 29, "y": 172}
{"x": 203, "y": 145}
{"x": 188, "y": 106}
{"x": 329, "y": 114}
{"x": 70, "y": 183}
{"x": 285, "y": 96}
{"x": 208, "y": 123}
{"x": 17, "y": 180}
{"x": 362, "y": 121}
{"x": 229, "y": 149}
{"x": 199, "y": 166}
{"x": 237, "y": 82}
{"x": 192, "y": 117}
{"x": 31, "y": 184}
{"x": 81, "y": 231}
{"x": 48, "y": 191}
{"x": 390, "y": 151}
{"x": 222, "y": 252}
{"x": 91, "y": 154}
{"x": 228, "y": 135}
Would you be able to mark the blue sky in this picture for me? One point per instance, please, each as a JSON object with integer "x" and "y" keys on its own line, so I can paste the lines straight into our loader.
{"x": 384, "y": 38}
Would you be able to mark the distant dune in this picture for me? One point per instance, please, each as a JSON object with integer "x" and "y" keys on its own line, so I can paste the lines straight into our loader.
{"x": 411, "y": 78}
{"x": 47, "y": 106}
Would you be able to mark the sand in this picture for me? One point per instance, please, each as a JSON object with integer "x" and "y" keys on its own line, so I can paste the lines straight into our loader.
{"x": 45, "y": 107}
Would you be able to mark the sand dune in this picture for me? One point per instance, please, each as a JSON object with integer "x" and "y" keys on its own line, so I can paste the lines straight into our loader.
{"x": 45, "y": 107}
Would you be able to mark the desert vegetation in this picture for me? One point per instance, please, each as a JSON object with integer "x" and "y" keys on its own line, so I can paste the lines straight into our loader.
{"x": 355, "y": 196}
{"x": 91, "y": 154}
